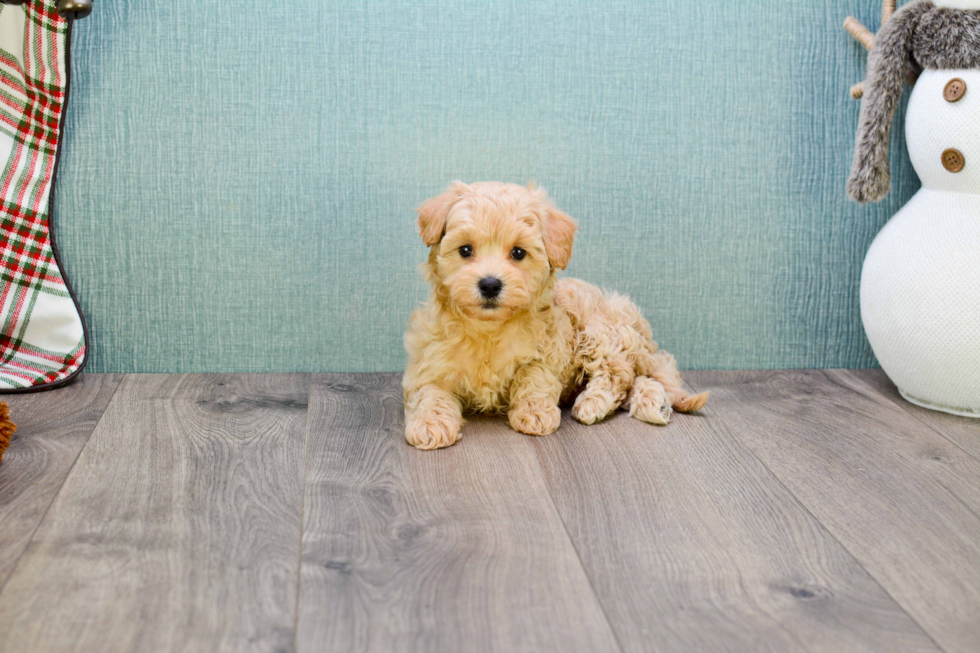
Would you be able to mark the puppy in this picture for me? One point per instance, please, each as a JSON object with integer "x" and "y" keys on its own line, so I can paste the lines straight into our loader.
{"x": 502, "y": 334}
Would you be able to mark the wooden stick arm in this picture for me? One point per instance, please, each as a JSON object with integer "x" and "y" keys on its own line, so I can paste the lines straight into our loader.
{"x": 860, "y": 33}
{"x": 887, "y": 9}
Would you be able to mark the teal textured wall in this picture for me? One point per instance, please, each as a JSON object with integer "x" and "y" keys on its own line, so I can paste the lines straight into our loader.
{"x": 239, "y": 177}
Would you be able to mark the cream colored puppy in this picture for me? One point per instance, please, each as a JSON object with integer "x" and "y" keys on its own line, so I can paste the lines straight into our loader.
{"x": 501, "y": 334}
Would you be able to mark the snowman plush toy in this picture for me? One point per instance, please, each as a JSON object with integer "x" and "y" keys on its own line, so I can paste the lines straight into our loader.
{"x": 920, "y": 286}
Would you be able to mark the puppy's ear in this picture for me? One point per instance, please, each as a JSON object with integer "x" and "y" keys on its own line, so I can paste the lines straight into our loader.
{"x": 559, "y": 235}
{"x": 433, "y": 214}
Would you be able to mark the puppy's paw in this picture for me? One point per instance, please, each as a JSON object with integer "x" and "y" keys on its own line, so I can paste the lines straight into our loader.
{"x": 430, "y": 429}
{"x": 649, "y": 401}
{"x": 535, "y": 417}
{"x": 591, "y": 407}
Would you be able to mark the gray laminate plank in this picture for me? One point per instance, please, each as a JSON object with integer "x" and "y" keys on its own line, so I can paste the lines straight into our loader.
{"x": 52, "y": 428}
{"x": 459, "y": 549}
{"x": 963, "y": 431}
{"x": 178, "y": 528}
{"x": 900, "y": 497}
{"x": 693, "y": 545}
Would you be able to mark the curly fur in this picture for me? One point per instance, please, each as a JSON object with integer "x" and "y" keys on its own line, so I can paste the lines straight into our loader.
{"x": 920, "y": 35}
{"x": 7, "y": 428}
{"x": 541, "y": 342}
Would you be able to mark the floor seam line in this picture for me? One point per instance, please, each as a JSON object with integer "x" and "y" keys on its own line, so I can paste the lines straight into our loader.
{"x": 824, "y": 527}
{"x": 893, "y": 402}
{"x": 302, "y": 510}
{"x": 571, "y": 541}
{"x": 54, "y": 498}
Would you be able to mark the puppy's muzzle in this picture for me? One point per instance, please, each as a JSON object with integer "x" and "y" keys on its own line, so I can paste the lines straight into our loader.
{"x": 490, "y": 287}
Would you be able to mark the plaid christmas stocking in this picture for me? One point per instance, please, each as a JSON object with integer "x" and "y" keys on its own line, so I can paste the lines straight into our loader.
{"x": 42, "y": 335}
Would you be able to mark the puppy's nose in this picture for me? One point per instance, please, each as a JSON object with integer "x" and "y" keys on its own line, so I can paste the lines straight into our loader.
{"x": 490, "y": 287}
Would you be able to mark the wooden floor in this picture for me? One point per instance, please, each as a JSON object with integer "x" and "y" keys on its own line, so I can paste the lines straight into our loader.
{"x": 801, "y": 511}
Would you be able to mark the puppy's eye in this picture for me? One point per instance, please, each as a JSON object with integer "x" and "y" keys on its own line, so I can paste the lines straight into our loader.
{"x": 517, "y": 253}
{"x": 466, "y": 251}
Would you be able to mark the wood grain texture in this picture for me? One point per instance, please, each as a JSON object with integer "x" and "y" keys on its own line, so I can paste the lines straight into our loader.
{"x": 963, "y": 431}
{"x": 454, "y": 550}
{"x": 693, "y": 545}
{"x": 900, "y": 497}
{"x": 178, "y": 528}
{"x": 52, "y": 428}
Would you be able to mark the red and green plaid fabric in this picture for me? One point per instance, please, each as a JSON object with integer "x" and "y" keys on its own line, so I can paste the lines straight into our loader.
{"x": 42, "y": 340}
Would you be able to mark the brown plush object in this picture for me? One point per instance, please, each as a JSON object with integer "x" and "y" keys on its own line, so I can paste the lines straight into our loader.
{"x": 7, "y": 428}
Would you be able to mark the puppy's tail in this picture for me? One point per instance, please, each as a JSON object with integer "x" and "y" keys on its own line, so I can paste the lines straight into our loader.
{"x": 687, "y": 403}
{"x": 662, "y": 367}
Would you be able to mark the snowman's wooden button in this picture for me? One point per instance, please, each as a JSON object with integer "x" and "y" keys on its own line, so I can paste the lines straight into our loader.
{"x": 955, "y": 89}
{"x": 953, "y": 160}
